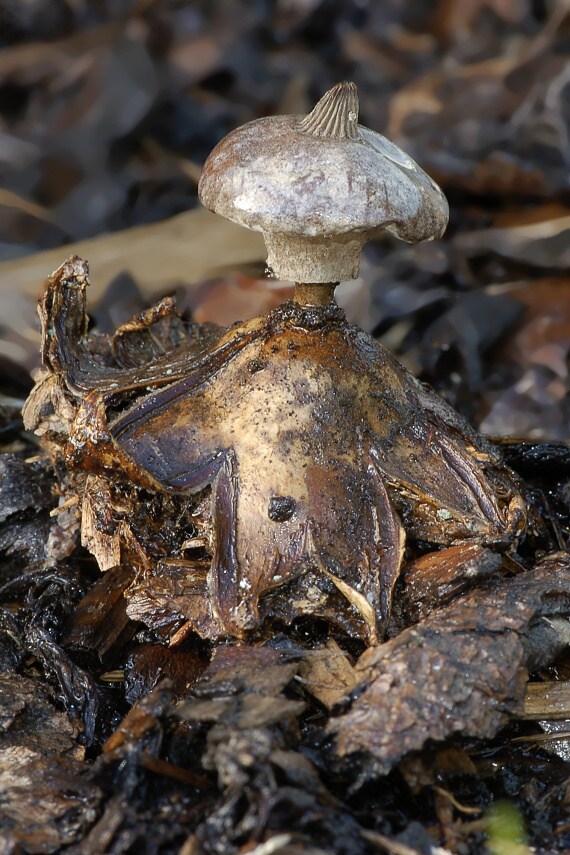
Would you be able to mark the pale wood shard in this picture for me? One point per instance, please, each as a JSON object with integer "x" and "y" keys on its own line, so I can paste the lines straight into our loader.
{"x": 548, "y": 701}
{"x": 103, "y": 543}
{"x": 328, "y": 674}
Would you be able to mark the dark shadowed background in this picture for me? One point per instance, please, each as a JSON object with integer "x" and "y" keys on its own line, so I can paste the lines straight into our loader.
{"x": 108, "y": 110}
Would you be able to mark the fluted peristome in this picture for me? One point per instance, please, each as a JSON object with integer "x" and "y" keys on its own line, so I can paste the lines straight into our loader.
{"x": 335, "y": 116}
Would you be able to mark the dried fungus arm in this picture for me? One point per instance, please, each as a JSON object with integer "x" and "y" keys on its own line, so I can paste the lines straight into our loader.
{"x": 66, "y": 352}
{"x": 446, "y": 481}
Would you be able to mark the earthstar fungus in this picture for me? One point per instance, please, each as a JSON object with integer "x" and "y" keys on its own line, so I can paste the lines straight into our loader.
{"x": 322, "y": 456}
{"x": 319, "y": 187}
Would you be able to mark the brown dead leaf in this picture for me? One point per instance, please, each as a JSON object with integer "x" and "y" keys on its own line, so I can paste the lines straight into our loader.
{"x": 538, "y": 244}
{"x": 159, "y": 256}
{"x": 462, "y": 670}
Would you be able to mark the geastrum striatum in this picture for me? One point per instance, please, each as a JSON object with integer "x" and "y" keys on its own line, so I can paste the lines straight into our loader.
{"x": 318, "y": 457}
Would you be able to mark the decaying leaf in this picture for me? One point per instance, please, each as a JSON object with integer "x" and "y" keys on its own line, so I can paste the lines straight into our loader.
{"x": 46, "y": 802}
{"x": 29, "y": 716}
{"x": 471, "y": 660}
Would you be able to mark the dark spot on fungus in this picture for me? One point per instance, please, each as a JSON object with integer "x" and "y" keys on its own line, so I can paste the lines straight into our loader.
{"x": 255, "y": 365}
{"x": 281, "y": 508}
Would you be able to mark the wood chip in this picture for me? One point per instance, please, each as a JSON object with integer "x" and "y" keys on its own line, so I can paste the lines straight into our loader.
{"x": 547, "y": 701}
{"x": 328, "y": 674}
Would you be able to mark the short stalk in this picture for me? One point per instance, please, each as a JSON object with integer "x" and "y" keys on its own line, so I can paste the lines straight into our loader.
{"x": 311, "y": 294}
